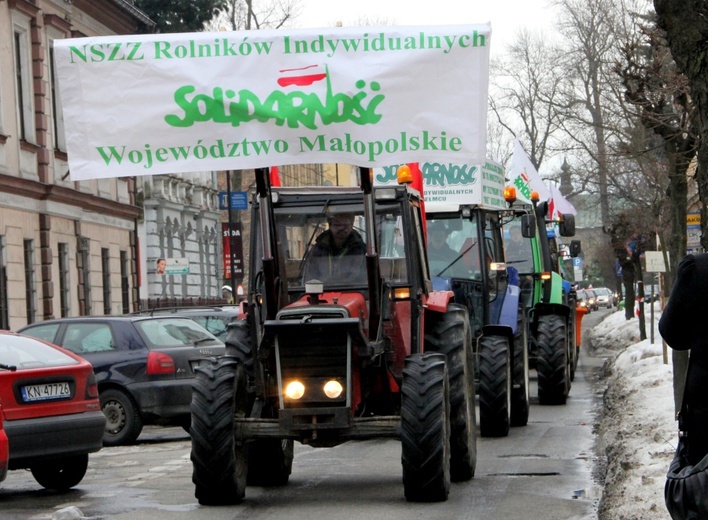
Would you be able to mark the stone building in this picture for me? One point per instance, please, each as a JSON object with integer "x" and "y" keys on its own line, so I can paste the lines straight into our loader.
{"x": 66, "y": 248}
{"x": 70, "y": 248}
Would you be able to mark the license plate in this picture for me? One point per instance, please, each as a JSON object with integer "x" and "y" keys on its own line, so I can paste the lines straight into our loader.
{"x": 45, "y": 392}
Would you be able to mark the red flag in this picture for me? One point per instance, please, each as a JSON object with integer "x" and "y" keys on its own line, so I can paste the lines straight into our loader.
{"x": 274, "y": 176}
{"x": 417, "y": 184}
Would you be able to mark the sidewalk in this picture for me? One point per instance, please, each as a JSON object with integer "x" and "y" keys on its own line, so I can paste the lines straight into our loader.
{"x": 636, "y": 429}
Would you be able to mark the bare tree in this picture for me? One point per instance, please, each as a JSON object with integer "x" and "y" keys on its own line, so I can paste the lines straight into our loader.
{"x": 662, "y": 101}
{"x": 590, "y": 97}
{"x": 525, "y": 90}
{"x": 686, "y": 24}
{"x": 257, "y": 14}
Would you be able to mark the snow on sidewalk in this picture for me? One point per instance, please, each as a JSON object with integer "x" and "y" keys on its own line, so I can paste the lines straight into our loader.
{"x": 637, "y": 429}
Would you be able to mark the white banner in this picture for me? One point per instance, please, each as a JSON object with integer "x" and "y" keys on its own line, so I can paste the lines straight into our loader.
{"x": 455, "y": 184}
{"x": 163, "y": 103}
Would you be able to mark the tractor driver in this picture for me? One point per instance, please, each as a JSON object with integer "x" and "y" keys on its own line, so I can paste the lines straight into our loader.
{"x": 339, "y": 254}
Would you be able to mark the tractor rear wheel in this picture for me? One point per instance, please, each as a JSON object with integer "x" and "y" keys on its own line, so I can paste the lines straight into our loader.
{"x": 520, "y": 374}
{"x": 449, "y": 334}
{"x": 553, "y": 365}
{"x": 219, "y": 462}
{"x": 425, "y": 428}
{"x": 494, "y": 386}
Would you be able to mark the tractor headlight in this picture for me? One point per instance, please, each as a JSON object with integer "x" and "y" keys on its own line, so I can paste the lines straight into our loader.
{"x": 333, "y": 389}
{"x": 294, "y": 390}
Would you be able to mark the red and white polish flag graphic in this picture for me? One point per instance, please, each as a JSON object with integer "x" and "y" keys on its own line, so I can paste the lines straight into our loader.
{"x": 302, "y": 76}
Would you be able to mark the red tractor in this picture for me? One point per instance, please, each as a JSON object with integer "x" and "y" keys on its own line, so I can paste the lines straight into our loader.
{"x": 365, "y": 351}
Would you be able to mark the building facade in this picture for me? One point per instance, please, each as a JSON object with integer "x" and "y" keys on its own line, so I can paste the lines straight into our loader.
{"x": 182, "y": 226}
{"x": 66, "y": 248}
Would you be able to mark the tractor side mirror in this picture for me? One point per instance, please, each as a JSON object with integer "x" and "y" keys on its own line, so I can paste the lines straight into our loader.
{"x": 574, "y": 248}
{"x": 567, "y": 225}
{"x": 528, "y": 226}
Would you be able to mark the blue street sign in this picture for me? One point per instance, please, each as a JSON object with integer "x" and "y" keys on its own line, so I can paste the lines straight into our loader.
{"x": 577, "y": 262}
{"x": 239, "y": 200}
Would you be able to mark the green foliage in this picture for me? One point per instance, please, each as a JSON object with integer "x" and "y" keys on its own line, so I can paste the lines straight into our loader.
{"x": 172, "y": 16}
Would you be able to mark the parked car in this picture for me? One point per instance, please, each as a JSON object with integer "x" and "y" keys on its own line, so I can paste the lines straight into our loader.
{"x": 214, "y": 318}
{"x": 4, "y": 450}
{"x": 51, "y": 416}
{"x": 144, "y": 366}
{"x": 605, "y": 297}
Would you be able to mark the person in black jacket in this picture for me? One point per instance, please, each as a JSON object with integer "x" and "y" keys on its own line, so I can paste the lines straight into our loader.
{"x": 339, "y": 254}
{"x": 682, "y": 327}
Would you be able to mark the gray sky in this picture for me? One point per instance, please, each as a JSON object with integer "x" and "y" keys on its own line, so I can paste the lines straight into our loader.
{"x": 506, "y": 16}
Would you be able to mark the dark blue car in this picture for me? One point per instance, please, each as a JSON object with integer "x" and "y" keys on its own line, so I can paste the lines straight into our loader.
{"x": 144, "y": 366}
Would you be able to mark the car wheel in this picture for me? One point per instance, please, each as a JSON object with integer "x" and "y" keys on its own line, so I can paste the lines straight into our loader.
{"x": 123, "y": 421}
{"x": 61, "y": 474}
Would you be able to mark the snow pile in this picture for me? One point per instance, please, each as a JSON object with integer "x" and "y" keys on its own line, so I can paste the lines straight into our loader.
{"x": 637, "y": 429}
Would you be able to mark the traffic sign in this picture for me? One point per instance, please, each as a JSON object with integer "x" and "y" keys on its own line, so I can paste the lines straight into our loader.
{"x": 655, "y": 262}
{"x": 239, "y": 200}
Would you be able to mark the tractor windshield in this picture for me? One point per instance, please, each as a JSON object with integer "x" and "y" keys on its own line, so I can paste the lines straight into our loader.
{"x": 518, "y": 249}
{"x": 453, "y": 247}
{"x": 327, "y": 241}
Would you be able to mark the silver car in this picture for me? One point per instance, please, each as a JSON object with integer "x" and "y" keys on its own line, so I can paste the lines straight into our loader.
{"x": 605, "y": 297}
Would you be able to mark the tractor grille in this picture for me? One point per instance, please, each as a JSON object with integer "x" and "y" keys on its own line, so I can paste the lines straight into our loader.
{"x": 322, "y": 353}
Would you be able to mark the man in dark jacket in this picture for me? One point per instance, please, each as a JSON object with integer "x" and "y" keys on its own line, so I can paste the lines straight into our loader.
{"x": 339, "y": 254}
{"x": 682, "y": 327}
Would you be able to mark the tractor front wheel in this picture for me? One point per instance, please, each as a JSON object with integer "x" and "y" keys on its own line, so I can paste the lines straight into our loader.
{"x": 494, "y": 386}
{"x": 553, "y": 364}
{"x": 520, "y": 374}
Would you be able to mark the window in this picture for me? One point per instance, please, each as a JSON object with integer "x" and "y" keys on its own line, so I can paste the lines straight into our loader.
{"x": 43, "y": 332}
{"x": 85, "y": 275}
{"x": 124, "y": 282}
{"x": 57, "y": 113}
{"x": 4, "y": 299}
{"x": 81, "y": 338}
{"x": 64, "y": 292}
{"x": 31, "y": 307}
{"x": 106, "y": 278}
{"x": 23, "y": 85}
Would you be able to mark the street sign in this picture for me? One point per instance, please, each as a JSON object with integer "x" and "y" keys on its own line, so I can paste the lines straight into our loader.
{"x": 239, "y": 200}
{"x": 655, "y": 262}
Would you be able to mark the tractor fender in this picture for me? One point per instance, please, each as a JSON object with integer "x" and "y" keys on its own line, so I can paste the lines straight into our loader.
{"x": 548, "y": 309}
{"x": 509, "y": 315}
{"x": 499, "y": 330}
{"x": 438, "y": 300}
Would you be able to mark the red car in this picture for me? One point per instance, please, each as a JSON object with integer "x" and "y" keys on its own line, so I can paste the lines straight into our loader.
{"x": 50, "y": 413}
{"x": 4, "y": 451}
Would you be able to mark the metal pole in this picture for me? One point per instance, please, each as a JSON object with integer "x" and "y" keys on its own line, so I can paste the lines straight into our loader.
{"x": 231, "y": 235}
{"x": 651, "y": 312}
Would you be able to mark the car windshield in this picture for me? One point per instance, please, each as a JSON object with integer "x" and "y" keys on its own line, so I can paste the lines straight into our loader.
{"x": 24, "y": 353}
{"x": 174, "y": 332}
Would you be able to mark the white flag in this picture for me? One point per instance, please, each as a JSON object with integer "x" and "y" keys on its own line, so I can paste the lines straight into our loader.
{"x": 559, "y": 205}
{"x": 524, "y": 177}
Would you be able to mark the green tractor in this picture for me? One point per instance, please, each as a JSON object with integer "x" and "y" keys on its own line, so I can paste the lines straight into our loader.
{"x": 533, "y": 248}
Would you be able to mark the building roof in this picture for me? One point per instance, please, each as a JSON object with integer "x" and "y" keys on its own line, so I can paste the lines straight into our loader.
{"x": 129, "y": 7}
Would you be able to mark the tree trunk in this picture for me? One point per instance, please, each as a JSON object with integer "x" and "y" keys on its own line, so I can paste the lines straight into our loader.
{"x": 686, "y": 24}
